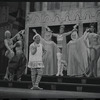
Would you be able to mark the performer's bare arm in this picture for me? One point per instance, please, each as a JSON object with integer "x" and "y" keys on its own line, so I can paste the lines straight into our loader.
{"x": 33, "y": 49}
{"x": 13, "y": 46}
{"x": 7, "y": 46}
{"x": 42, "y": 39}
{"x": 86, "y": 33}
{"x": 74, "y": 28}
{"x": 67, "y": 33}
{"x": 70, "y": 32}
{"x": 54, "y": 34}
{"x": 96, "y": 47}
{"x": 85, "y": 36}
{"x": 20, "y": 32}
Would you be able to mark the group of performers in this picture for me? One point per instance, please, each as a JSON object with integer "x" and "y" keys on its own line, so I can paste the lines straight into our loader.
{"x": 15, "y": 55}
{"x": 78, "y": 57}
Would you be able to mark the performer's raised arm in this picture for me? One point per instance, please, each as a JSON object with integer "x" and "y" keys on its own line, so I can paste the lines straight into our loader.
{"x": 54, "y": 34}
{"x": 42, "y": 39}
{"x": 7, "y": 46}
{"x": 20, "y": 32}
{"x": 86, "y": 33}
{"x": 85, "y": 36}
{"x": 74, "y": 28}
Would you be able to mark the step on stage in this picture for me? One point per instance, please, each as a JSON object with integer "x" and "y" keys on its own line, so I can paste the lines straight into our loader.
{"x": 28, "y": 93}
{"x": 54, "y": 87}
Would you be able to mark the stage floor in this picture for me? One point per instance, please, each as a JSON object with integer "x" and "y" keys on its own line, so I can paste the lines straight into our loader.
{"x": 27, "y": 93}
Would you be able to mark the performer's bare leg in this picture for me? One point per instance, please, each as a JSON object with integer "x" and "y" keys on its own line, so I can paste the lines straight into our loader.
{"x": 92, "y": 61}
{"x": 58, "y": 73}
{"x": 88, "y": 68}
{"x": 95, "y": 69}
{"x": 61, "y": 70}
{"x": 95, "y": 63}
{"x": 6, "y": 75}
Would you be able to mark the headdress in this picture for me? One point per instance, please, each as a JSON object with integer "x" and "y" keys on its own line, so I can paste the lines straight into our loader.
{"x": 35, "y": 36}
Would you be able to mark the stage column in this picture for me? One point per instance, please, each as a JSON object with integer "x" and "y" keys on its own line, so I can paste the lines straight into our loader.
{"x": 26, "y": 32}
{"x": 98, "y": 26}
{"x": 80, "y": 19}
{"x": 98, "y": 21}
{"x": 44, "y": 9}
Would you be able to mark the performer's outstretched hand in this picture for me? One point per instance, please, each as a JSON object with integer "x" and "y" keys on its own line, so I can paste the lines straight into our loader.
{"x": 19, "y": 32}
{"x": 75, "y": 26}
{"x": 23, "y": 31}
{"x": 48, "y": 28}
{"x": 87, "y": 29}
{"x": 34, "y": 30}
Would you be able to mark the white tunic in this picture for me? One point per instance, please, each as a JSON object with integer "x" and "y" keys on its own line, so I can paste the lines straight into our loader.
{"x": 35, "y": 61}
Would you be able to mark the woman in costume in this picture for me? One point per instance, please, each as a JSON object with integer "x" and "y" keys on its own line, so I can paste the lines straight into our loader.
{"x": 61, "y": 38}
{"x": 18, "y": 63}
{"x": 9, "y": 45}
{"x": 77, "y": 55}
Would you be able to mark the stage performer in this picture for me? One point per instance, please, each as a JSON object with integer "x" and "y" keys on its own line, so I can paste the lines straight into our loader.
{"x": 62, "y": 65}
{"x": 61, "y": 38}
{"x": 36, "y": 53}
{"x": 18, "y": 63}
{"x": 9, "y": 45}
{"x": 94, "y": 46}
{"x": 77, "y": 55}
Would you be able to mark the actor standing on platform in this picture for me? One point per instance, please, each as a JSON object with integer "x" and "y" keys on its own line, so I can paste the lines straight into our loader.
{"x": 77, "y": 55}
{"x": 61, "y": 63}
{"x": 9, "y": 52}
{"x": 94, "y": 47}
{"x": 36, "y": 53}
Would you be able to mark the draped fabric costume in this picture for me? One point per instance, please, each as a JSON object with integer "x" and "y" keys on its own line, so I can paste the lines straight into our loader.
{"x": 18, "y": 62}
{"x": 50, "y": 58}
{"x": 77, "y": 57}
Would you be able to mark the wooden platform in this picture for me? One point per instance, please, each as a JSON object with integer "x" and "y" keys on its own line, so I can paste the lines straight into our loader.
{"x": 27, "y": 93}
{"x": 77, "y": 84}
